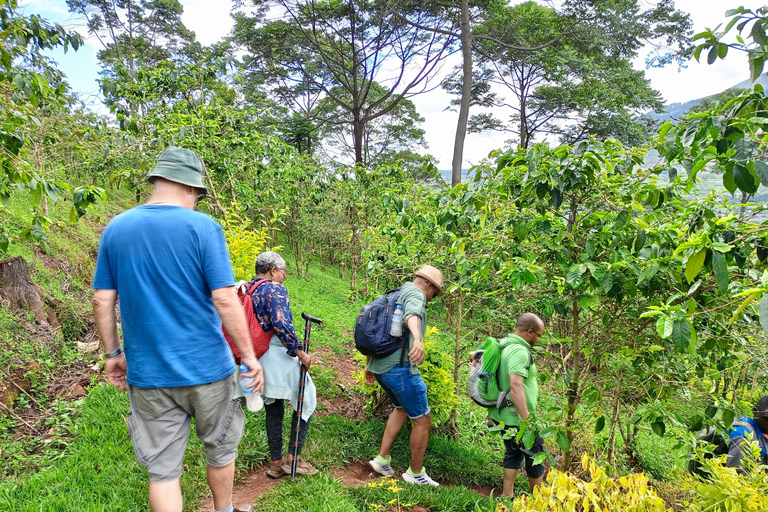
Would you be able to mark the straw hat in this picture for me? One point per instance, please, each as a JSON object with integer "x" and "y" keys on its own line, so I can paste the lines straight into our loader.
{"x": 432, "y": 275}
{"x": 181, "y": 166}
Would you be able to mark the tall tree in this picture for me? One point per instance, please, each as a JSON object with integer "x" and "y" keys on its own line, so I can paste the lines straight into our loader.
{"x": 343, "y": 46}
{"x": 134, "y": 33}
{"x": 387, "y": 138}
{"x": 624, "y": 26}
{"x": 574, "y": 87}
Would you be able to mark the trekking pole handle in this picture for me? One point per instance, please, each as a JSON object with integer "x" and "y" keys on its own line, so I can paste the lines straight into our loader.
{"x": 310, "y": 318}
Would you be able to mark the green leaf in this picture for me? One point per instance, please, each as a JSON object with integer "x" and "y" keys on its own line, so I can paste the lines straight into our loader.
{"x": 746, "y": 180}
{"x": 762, "y": 310}
{"x": 755, "y": 67}
{"x": 728, "y": 417}
{"x": 761, "y": 169}
{"x": 728, "y": 182}
{"x": 562, "y": 441}
{"x": 681, "y": 335}
{"x": 712, "y": 55}
{"x": 607, "y": 282}
{"x": 720, "y": 267}
{"x": 621, "y": 219}
{"x": 574, "y": 276}
{"x": 658, "y": 428}
{"x": 694, "y": 264}
{"x": 710, "y": 411}
{"x": 600, "y": 424}
{"x": 743, "y": 147}
{"x": 696, "y": 423}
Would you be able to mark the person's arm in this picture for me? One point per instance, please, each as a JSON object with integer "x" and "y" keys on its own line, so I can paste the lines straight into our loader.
{"x": 517, "y": 395}
{"x": 416, "y": 354}
{"x": 103, "y": 303}
{"x": 232, "y": 316}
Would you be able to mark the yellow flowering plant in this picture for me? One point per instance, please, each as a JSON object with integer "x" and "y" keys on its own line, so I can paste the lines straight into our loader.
{"x": 564, "y": 492}
{"x": 245, "y": 242}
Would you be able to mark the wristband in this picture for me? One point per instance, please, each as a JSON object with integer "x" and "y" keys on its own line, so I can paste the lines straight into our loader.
{"x": 114, "y": 353}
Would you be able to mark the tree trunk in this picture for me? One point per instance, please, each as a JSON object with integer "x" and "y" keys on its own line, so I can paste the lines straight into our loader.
{"x": 453, "y": 420}
{"x": 18, "y": 289}
{"x": 615, "y": 417}
{"x": 466, "y": 94}
{"x": 573, "y": 386}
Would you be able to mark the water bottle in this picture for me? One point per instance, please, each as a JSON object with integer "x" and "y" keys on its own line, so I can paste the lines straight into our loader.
{"x": 253, "y": 400}
{"x": 397, "y": 322}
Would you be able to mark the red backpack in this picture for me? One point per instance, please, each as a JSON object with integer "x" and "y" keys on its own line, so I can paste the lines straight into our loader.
{"x": 259, "y": 338}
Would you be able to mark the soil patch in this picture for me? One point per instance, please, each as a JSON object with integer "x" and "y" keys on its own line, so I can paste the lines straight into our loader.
{"x": 347, "y": 403}
{"x": 249, "y": 490}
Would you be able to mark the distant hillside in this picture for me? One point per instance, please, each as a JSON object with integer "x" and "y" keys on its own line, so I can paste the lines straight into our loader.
{"x": 676, "y": 110}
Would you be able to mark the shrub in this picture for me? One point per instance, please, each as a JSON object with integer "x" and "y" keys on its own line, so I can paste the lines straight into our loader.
{"x": 727, "y": 490}
{"x": 244, "y": 242}
{"x": 567, "y": 493}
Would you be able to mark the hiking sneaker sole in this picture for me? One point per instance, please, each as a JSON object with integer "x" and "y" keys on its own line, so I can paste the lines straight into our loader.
{"x": 382, "y": 469}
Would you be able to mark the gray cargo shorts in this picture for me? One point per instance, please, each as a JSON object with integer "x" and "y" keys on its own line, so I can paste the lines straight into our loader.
{"x": 160, "y": 418}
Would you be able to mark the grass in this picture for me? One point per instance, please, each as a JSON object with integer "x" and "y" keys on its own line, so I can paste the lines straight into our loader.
{"x": 90, "y": 463}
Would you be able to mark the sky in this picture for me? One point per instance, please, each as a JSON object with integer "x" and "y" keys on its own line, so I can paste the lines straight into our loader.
{"x": 210, "y": 20}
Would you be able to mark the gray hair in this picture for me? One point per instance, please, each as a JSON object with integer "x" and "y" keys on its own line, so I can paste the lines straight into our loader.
{"x": 268, "y": 260}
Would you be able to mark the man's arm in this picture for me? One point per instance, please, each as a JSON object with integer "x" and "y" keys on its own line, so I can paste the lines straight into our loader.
{"x": 416, "y": 354}
{"x": 517, "y": 394}
{"x": 103, "y": 303}
{"x": 231, "y": 314}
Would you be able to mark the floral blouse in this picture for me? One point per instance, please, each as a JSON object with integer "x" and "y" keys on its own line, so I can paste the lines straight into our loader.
{"x": 271, "y": 306}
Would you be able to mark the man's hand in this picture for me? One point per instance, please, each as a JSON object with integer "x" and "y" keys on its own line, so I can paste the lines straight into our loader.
{"x": 117, "y": 368}
{"x": 416, "y": 354}
{"x": 370, "y": 378}
{"x": 305, "y": 358}
{"x": 255, "y": 371}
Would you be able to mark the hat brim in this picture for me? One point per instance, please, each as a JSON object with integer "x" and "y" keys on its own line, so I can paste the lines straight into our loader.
{"x": 425, "y": 276}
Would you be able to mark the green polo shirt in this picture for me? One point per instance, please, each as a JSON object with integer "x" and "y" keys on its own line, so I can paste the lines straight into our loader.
{"x": 414, "y": 304}
{"x": 514, "y": 359}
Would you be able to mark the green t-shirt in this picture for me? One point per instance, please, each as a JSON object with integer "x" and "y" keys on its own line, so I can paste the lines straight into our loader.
{"x": 514, "y": 358}
{"x": 414, "y": 303}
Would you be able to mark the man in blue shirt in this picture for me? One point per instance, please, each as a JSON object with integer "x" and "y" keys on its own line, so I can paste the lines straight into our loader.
{"x": 169, "y": 267}
{"x": 754, "y": 428}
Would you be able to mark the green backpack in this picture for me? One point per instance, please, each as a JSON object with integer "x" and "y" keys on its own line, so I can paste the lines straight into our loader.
{"x": 483, "y": 382}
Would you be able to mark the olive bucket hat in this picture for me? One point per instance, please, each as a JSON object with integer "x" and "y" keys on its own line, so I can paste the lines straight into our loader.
{"x": 181, "y": 166}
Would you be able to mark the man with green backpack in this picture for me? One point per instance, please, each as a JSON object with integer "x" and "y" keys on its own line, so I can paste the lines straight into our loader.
{"x": 522, "y": 388}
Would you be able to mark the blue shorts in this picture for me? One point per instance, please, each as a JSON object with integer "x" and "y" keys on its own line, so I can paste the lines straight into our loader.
{"x": 407, "y": 391}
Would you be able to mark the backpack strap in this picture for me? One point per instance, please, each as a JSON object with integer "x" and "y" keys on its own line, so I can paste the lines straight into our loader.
{"x": 252, "y": 288}
{"x": 503, "y": 400}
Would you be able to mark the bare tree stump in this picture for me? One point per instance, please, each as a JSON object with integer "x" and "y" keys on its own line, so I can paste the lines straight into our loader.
{"x": 18, "y": 289}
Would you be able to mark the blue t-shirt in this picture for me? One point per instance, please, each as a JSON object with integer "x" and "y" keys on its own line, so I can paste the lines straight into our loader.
{"x": 164, "y": 261}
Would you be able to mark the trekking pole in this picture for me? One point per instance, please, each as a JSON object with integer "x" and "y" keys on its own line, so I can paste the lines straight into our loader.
{"x": 302, "y": 381}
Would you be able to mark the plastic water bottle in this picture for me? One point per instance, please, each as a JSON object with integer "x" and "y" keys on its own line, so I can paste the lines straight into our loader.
{"x": 397, "y": 322}
{"x": 253, "y": 400}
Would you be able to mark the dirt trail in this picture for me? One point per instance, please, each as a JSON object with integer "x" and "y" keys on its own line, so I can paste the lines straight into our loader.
{"x": 250, "y": 490}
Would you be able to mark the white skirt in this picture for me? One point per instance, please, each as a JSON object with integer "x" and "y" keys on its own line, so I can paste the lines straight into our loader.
{"x": 281, "y": 379}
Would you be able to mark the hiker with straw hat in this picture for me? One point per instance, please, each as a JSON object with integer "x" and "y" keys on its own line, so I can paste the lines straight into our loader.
{"x": 169, "y": 266}
{"x": 402, "y": 382}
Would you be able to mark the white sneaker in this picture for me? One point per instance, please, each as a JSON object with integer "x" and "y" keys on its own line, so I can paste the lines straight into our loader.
{"x": 422, "y": 479}
{"x": 382, "y": 468}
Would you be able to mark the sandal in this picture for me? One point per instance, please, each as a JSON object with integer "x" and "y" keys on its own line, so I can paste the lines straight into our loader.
{"x": 302, "y": 468}
{"x": 275, "y": 472}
